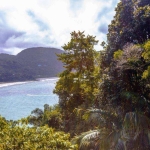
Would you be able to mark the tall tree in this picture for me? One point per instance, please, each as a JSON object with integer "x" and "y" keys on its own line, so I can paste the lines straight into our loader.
{"x": 78, "y": 77}
{"x": 78, "y": 83}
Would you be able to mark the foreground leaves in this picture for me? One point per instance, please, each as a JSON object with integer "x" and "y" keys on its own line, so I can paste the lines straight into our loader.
{"x": 19, "y": 136}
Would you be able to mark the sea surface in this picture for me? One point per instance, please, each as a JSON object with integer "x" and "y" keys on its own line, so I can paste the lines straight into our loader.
{"x": 18, "y": 99}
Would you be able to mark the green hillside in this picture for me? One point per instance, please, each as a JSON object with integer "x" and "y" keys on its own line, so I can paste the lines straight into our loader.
{"x": 30, "y": 64}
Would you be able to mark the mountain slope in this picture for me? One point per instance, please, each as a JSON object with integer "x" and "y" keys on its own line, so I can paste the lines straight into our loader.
{"x": 30, "y": 64}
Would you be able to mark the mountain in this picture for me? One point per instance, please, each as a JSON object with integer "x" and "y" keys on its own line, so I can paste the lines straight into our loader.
{"x": 30, "y": 64}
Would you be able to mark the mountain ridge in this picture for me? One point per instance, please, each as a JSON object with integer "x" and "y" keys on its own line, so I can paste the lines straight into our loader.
{"x": 29, "y": 64}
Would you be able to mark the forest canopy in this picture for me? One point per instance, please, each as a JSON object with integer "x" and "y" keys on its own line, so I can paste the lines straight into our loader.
{"x": 122, "y": 83}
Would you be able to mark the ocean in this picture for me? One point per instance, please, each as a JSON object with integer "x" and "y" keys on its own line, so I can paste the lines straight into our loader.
{"x": 18, "y": 99}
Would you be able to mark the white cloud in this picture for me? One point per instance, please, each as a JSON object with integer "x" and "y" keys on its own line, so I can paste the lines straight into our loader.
{"x": 12, "y": 50}
{"x": 50, "y": 22}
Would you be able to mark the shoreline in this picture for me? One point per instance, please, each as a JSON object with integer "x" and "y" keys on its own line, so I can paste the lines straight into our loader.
{"x": 4, "y": 84}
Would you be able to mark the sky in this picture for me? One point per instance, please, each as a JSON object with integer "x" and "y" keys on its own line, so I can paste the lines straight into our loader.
{"x": 48, "y": 23}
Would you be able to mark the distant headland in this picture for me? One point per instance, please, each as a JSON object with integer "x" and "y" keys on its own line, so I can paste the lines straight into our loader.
{"x": 30, "y": 64}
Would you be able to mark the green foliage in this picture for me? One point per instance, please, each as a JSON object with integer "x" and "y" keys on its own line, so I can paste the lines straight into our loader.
{"x": 36, "y": 117}
{"x": 18, "y": 136}
{"x": 124, "y": 64}
{"x": 122, "y": 69}
{"x": 146, "y": 56}
{"x": 146, "y": 53}
{"x": 130, "y": 25}
{"x": 51, "y": 116}
{"x": 118, "y": 54}
{"x": 124, "y": 84}
{"x": 78, "y": 83}
{"x": 146, "y": 73}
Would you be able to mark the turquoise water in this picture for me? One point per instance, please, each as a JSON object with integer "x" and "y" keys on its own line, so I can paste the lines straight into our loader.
{"x": 17, "y": 100}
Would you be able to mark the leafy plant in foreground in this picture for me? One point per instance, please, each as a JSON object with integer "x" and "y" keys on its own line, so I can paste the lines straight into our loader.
{"x": 19, "y": 136}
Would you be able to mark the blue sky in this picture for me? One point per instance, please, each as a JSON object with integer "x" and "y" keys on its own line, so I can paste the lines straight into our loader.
{"x": 48, "y": 23}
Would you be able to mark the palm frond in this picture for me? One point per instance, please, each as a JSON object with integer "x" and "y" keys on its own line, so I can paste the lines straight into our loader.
{"x": 89, "y": 140}
{"x": 86, "y": 139}
{"x": 97, "y": 139}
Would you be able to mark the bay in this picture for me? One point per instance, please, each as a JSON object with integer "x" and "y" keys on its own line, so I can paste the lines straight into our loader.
{"x": 17, "y": 100}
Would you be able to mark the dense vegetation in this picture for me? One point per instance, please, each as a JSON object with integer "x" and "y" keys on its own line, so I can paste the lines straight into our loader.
{"x": 78, "y": 83}
{"x": 119, "y": 113}
{"x": 18, "y": 136}
{"x": 104, "y": 100}
{"x": 30, "y": 64}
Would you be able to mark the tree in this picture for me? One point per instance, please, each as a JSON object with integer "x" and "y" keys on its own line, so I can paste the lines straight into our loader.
{"x": 78, "y": 60}
{"x": 78, "y": 82}
{"x": 51, "y": 116}
{"x": 36, "y": 117}
{"x": 142, "y": 3}
{"x": 123, "y": 88}
{"x": 123, "y": 65}
{"x": 130, "y": 25}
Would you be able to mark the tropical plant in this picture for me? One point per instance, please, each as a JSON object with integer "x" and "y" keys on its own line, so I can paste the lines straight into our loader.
{"x": 134, "y": 135}
{"x": 124, "y": 87}
{"x": 19, "y": 136}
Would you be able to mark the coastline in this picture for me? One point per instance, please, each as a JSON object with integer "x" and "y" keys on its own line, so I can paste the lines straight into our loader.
{"x": 49, "y": 78}
{"x": 4, "y": 84}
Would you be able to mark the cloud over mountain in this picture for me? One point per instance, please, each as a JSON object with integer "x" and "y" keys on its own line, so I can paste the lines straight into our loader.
{"x": 27, "y": 23}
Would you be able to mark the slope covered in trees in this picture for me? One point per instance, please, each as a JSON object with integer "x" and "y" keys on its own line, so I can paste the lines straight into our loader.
{"x": 123, "y": 100}
{"x": 30, "y": 64}
{"x": 126, "y": 85}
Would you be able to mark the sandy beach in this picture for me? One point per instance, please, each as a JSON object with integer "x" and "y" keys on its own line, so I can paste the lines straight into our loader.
{"x": 2, "y": 84}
